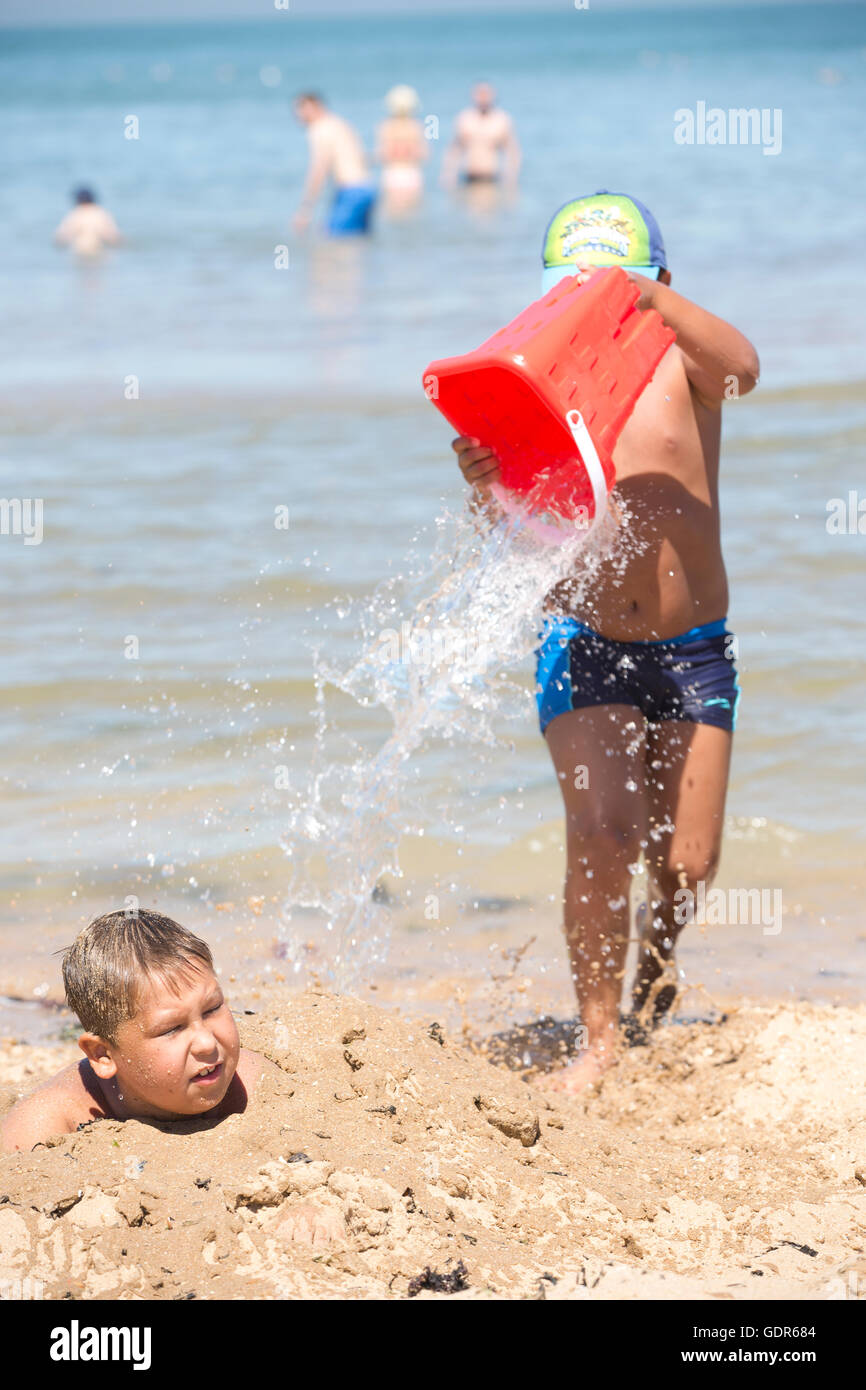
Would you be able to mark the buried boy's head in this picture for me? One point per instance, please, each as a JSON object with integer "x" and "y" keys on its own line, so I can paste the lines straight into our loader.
{"x": 157, "y": 1030}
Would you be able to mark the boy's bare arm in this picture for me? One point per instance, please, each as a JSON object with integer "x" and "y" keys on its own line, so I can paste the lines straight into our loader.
{"x": 714, "y": 352}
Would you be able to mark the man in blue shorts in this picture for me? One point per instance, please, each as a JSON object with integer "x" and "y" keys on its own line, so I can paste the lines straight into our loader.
{"x": 637, "y": 689}
{"x": 336, "y": 153}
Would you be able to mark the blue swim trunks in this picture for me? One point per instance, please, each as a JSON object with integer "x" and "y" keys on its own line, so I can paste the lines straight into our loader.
{"x": 351, "y": 210}
{"x": 691, "y": 677}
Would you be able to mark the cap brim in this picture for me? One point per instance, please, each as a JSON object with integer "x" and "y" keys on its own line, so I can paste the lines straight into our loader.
{"x": 552, "y": 274}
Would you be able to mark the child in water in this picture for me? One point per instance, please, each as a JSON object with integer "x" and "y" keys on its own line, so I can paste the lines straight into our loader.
{"x": 636, "y": 684}
{"x": 88, "y": 229}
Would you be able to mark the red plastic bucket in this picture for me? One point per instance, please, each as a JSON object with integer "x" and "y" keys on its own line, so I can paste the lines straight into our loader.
{"x": 551, "y": 392}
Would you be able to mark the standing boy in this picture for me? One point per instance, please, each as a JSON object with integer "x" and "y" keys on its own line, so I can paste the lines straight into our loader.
{"x": 637, "y": 689}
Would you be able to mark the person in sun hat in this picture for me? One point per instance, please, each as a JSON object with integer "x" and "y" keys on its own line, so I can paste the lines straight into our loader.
{"x": 636, "y": 684}
{"x": 401, "y": 150}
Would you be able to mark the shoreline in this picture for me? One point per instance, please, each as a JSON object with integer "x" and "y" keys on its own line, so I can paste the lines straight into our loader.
{"x": 489, "y": 959}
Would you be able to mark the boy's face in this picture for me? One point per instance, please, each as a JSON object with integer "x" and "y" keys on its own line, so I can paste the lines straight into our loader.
{"x": 179, "y": 1053}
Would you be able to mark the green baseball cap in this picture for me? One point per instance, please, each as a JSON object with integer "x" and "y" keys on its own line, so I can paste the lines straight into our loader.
{"x": 602, "y": 229}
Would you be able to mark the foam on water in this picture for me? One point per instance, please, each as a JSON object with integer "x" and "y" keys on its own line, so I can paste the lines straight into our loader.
{"x": 439, "y": 651}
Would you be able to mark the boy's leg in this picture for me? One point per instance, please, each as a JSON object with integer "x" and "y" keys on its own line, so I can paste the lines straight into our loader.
{"x": 599, "y": 756}
{"x": 687, "y": 781}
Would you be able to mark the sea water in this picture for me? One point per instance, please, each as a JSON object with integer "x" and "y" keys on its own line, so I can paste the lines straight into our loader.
{"x": 154, "y": 768}
{"x": 442, "y": 667}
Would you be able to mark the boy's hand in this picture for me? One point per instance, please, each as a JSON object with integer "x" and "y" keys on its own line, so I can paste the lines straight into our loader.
{"x": 478, "y": 463}
{"x": 646, "y": 286}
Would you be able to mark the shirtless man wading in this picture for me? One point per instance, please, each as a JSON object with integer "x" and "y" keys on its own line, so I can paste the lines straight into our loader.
{"x": 484, "y": 144}
{"x": 637, "y": 689}
{"x": 336, "y": 153}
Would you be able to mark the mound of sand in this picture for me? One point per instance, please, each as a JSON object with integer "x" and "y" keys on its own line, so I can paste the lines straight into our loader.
{"x": 720, "y": 1161}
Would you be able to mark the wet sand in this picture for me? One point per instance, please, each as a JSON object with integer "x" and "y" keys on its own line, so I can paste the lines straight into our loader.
{"x": 722, "y": 1160}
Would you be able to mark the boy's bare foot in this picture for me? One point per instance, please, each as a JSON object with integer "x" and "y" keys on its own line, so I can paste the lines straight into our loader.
{"x": 586, "y": 1069}
{"x": 655, "y": 986}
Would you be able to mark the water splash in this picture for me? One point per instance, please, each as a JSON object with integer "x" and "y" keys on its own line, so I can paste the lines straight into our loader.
{"x": 440, "y": 649}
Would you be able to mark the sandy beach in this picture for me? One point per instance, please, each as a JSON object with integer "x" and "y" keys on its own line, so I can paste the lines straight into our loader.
{"x": 719, "y": 1161}
{"x": 267, "y": 672}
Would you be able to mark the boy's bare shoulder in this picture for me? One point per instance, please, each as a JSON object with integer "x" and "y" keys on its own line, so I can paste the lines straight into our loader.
{"x": 68, "y": 1099}
{"x": 254, "y": 1067}
{"x": 255, "y": 1079}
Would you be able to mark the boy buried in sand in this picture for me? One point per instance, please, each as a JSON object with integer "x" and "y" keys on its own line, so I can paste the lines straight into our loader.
{"x": 636, "y": 686}
{"x": 159, "y": 1041}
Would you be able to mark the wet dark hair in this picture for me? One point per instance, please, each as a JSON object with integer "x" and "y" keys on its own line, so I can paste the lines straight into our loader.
{"x": 310, "y": 96}
{"x": 84, "y": 195}
{"x": 109, "y": 961}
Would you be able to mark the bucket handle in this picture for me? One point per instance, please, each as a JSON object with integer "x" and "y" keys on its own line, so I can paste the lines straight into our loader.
{"x": 591, "y": 462}
{"x": 556, "y": 535}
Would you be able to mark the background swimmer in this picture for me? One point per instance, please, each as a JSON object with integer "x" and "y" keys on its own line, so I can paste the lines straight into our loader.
{"x": 336, "y": 153}
{"x": 401, "y": 150}
{"x": 484, "y": 148}
{"x": 88, "y": 229}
